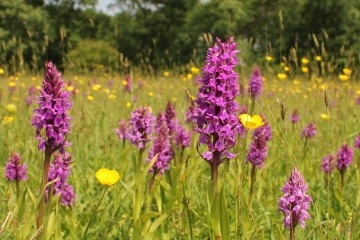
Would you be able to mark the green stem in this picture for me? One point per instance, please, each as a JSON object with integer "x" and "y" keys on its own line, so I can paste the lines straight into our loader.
{"x": 17, "y": 189}
{"x": 252, "y": 183}
{"x": 342, "y": 183}
{"x": 292, "y": 233}
{"x": 94, "y": 212}
{"x": 152, "y": 180}
{"x": 214, "y": 177}
{"x": 252, "y": 105}
{"x": 42, "y": 204}
{"x": 186, "y": 202}
{"x": 304, "y": 149}
{"x": 137, "y": 173}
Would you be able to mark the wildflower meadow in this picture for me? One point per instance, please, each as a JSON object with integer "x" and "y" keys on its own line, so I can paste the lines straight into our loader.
{"x": 153, "y": 123}
{"x": 214, "y": 154}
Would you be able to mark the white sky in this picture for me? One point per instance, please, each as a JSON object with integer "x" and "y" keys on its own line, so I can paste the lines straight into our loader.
{"x": 103, "y": 6}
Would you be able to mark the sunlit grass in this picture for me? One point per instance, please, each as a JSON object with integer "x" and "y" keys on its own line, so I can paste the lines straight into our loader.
{"x": 100, "y": 101}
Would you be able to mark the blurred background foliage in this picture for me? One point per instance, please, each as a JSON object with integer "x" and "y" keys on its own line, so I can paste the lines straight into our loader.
{"x": 159, "y": 34}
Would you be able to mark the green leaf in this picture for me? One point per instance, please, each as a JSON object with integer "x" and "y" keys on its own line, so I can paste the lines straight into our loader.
{"x": 224, "y": 217}
{"x": 147, "y": 168}
{"x": 157, "y": 222}
{"x": 22, "y": 206}
{"x": 50, "y": 226}
{"x": 32, "y": 197}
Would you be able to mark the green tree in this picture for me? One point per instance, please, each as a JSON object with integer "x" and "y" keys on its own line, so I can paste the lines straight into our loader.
{"x": 23, "y": 35}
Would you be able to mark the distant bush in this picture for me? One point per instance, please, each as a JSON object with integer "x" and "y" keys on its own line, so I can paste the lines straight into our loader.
{"x": 91, "y": 55}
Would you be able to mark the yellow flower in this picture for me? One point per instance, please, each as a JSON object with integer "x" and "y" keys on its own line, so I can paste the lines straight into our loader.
{"x": 106, "y": 90}
{"x": 347, "y": 71}
{"x": 96, "y": 87}
{"x": 11, "y": 108}
{"x": 70, "y": 88}
{"x": 2, "y": 71}
{"x": 128, "y": 104}
{"x": 173, "y": 99}
{"x": 282, "y": 76}
{"x": 107, "y": 176}
{"x": 12, "y": 84}
{"x": 343, "y": 77}
{"x": 304, "y": 60}
{"x": 286, "y": 69}
{"x": 111, "y": 96}
{"x": 189, "y": 76}
{"x": 358, "y": 92}
{"x": 269, "y": 58}
{"x": 166, "y": 74}
{"x": 324, "y": 116}
{"x": 150, "y": 94}
{"x": 124, "y": 82}
{"x": 90, "y": 98}
{"x": 305, "y": 69}
{"x": 251, "y": 122}
{"x": 7, "y": 120}
{"x": 318, "y": 58}
{"x": 296, "y": 82}
{"x": 194, "y": 70}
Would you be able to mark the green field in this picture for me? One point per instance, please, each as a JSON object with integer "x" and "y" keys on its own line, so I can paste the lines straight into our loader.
{"x": 179, "y": 204}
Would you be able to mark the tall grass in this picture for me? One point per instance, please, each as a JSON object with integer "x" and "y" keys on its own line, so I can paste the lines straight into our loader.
{"x": 180, "y": 197}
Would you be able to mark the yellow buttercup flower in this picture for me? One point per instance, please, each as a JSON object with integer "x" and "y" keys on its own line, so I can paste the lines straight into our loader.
{"x": 107, "y": 176}
{"x": 347, "y": 71}
{"x": 286, "y": 69}
{"x": 251, "y": 122}
{"x": 150, "y": 94}
{"x": 194, "y": 70}
{"x": 96, "y": 87}
{"x": 318, "y": 58}
{"x": 11, "y": 108}
{"x": 166, "y": 74}
{"x": 269, "y": 58}
{"x": 106, "y": 90}
{"x": 128, "y": 104}
{"x": 7, "y": 120}
{"x": 124, "y": 83}
{"x": 70, "y": 88}
{"x": 282, "y": 76}
{"x": 324, "y": 116}
{"x": 189, "y": 76}
{"x": 305, "y": 69}
{"x": 12, "y": 84}
{"x": 343, "y": 77}
{"x": 111, "y": 96}
{"x": 358, "y": 92}
{"x": 304, "y": 60}
{"x": 2, "y": 71}
{"x": 90, "y": 98}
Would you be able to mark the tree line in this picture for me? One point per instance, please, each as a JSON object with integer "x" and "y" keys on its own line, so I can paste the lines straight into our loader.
{"x": 157, "y": 34}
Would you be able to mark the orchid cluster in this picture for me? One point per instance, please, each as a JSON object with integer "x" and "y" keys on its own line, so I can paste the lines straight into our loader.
{"x": 215, "y": 108}
{"x": 59, "y": 172}
{"x": 258, "y": 149}
{"x": 14, "y": 170}
{"x": 295, "y": 202}
{"x": 51, "y": 119}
